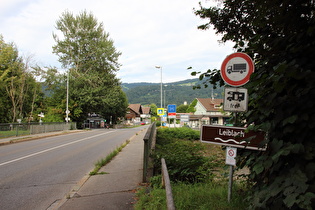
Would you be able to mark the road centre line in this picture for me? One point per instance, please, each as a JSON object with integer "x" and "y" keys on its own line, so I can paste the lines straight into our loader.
{"x": 53, "y": 148}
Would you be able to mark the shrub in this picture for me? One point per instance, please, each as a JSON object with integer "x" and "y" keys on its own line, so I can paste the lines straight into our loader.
{"x": 183, "y": 133}
{"x": 186, "y": 160}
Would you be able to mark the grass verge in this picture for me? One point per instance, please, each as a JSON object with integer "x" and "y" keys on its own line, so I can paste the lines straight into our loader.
{"x": 99, "y": 164}
{"x": 212, "y": 195}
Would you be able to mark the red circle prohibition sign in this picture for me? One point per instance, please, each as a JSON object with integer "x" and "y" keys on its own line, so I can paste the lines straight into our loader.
{"x": 231, "y": 153}
{"x": 244, "y": 80}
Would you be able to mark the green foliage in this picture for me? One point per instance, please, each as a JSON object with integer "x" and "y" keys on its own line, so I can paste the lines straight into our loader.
{"x": 182, "y": 108}
{"x": 280, "y": 36}
{"x": 92, "y": 59}
{"x": 203, "y": 196}
{"x": 166, "y": 135}
{"x": 185, "y": 158}
{"x": 153, "y": 108}
{"x": 191, "y": 107}
{"x": 155, "y": 200}
{"x": 53, "y": 115}
{"x": 19, "y": 92}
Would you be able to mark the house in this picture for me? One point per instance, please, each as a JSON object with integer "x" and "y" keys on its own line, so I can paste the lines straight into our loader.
{"x": 211, "y": 111}
{"x": 146, "y": 114}
{"x": 137, "y": 113}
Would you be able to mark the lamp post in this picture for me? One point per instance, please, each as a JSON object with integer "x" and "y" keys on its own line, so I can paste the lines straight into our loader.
{"x": 67, "y": 108}
{"x": 160, "y": 67}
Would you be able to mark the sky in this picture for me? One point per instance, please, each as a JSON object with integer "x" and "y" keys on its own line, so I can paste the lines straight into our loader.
{"x": 148, "y": 33}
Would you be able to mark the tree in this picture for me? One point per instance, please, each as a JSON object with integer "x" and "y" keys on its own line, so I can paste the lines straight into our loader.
{"x": 153, "y": 108}
{"x": 92, "y": 60}
{"x": 280, "y": 36}
{"x": 116, "y": 105}
{"x": 18, "y": 85}
{"x": 182, "y": 108}
{"x": 191, "y": 108}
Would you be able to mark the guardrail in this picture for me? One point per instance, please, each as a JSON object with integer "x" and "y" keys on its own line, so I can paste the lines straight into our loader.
{"x": 20, "y": 129}
{"x": 167, "y": 184}
{"x": 149, "y": 143}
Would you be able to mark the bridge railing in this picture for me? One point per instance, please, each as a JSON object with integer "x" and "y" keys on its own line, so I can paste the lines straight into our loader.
{"x": 149, "y": 144}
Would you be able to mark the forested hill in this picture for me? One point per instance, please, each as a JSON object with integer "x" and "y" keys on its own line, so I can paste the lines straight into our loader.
{"x": 173, "y": 93}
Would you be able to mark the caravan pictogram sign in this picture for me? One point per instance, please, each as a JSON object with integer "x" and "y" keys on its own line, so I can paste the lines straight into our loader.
{"x": 235, "y": 99}
{"x": 236, "y": 69}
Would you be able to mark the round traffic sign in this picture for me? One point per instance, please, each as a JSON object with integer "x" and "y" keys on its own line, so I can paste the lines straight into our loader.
{"x": 237, "y": 68}
{"x": 231, "y": 153}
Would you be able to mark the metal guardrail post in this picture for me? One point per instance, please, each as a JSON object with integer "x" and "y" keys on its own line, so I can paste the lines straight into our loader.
{"x": 147, "y": 148}
{"x": 145, "y": 160}
{"x": 168, "y": 188}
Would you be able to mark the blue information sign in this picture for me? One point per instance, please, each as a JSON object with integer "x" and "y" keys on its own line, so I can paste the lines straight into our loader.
{"x": 171, "y": 108}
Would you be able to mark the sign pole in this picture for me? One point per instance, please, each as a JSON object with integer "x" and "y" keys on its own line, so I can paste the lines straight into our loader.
{"x": 230, "y": 183}
{"x": 231, "y": 168}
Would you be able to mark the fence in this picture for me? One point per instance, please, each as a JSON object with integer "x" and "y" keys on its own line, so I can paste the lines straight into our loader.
{"x": 20, "y": 129}
{"x": 167, "y": 184}
{"x": 149, "y": 143}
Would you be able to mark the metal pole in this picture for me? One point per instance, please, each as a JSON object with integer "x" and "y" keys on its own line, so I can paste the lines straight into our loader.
{"x": 231, "y": 167}
{"x": 161, "y": 90}
{"x": 67, "y": 109}
{"x": 230, "y": 184}
{"x": 160, "y": 67}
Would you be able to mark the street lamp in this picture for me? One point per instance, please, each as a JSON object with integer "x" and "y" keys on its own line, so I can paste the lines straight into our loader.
{"x": 67, "y": 108}
{"x": 160, "y": 67}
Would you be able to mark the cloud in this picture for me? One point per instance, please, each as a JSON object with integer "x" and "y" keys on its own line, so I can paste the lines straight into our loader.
{"x": 147, "y": 32}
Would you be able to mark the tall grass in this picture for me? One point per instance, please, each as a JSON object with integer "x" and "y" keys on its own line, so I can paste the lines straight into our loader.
{"x": 197, "y": 172}
{"x": 198, "y": 196}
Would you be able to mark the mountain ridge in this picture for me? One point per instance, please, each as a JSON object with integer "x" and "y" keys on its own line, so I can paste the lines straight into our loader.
{"x": 173, "y": 93}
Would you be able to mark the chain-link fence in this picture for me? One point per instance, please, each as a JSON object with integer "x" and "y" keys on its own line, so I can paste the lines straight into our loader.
{"x": 20, "y": 129}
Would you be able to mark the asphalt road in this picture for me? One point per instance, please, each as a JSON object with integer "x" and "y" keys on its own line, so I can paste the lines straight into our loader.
{"x": 36, "y": 174}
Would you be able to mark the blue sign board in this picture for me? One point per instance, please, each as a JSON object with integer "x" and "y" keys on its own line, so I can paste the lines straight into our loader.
{"x": 160, "y": 111}
{"x": 171, "y": 108}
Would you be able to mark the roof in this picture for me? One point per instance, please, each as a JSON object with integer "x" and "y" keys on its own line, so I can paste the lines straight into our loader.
{"x": 146, "y": 110}
{"x": 136, "y": 108}
{"x": 209, "y": 103}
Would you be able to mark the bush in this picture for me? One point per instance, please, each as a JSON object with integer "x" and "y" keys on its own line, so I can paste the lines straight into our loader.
{"x": 183, "y": 159}
{"x": 186, "y": 160}
{"x": 165, "y": 135}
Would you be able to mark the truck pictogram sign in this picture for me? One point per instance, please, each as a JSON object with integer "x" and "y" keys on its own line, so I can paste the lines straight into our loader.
{"x": 236, "y": 69}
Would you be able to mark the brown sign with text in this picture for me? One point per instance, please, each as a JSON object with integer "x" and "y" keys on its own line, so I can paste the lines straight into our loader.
{"x": 232, "y": 136}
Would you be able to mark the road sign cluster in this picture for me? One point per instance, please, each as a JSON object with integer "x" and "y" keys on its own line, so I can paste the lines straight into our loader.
{"x": 235, "y": 71}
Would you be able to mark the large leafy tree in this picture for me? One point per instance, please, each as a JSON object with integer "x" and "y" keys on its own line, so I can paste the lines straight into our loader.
{"x": 18, "y": 88}
{"x": 86, "y": 49}
{"x": 280, "y": 36}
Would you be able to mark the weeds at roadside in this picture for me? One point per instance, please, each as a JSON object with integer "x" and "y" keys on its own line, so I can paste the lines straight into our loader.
{"x": 99, "y": 164}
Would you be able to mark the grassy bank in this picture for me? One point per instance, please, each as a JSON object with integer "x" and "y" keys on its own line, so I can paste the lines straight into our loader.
{"x": 197, "y": 172}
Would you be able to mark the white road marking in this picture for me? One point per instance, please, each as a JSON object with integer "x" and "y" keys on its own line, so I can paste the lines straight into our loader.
{"x": 57, "y": 147}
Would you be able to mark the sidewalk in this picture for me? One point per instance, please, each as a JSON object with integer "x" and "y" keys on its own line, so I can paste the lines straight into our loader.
{"x": 115, "y": 189}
